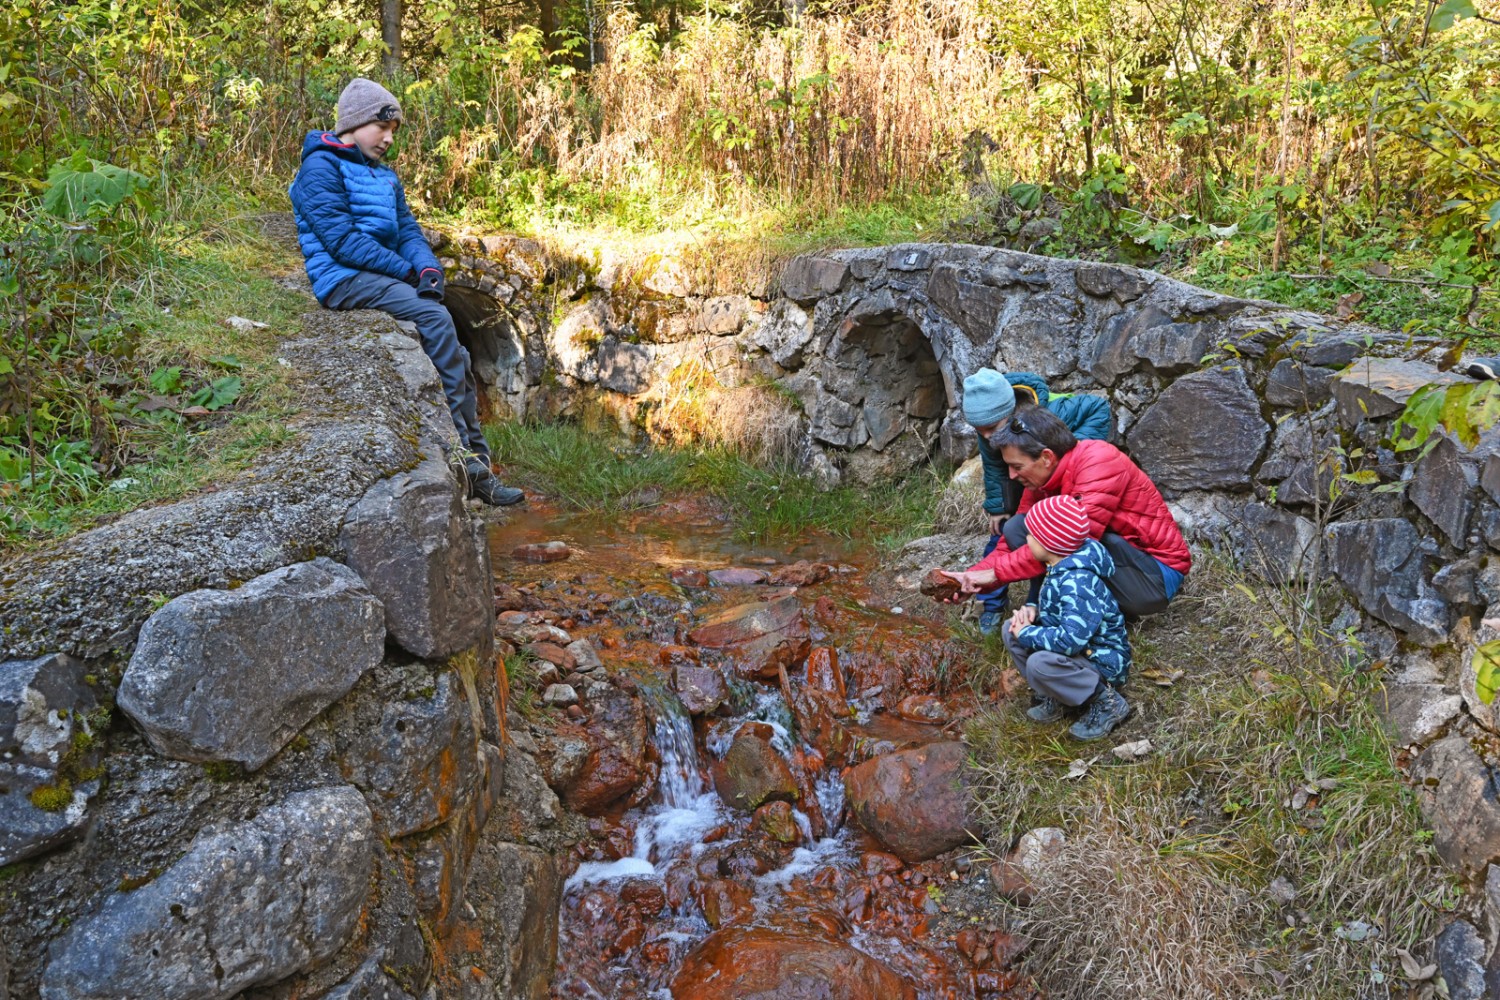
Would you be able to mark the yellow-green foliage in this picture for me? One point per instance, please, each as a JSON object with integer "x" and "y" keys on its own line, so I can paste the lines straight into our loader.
{"x": 53, "y": 798}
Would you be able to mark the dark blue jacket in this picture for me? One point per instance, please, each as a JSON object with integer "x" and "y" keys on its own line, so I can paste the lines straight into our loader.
{"x": 1077, "y": 615}
{"x": 352, "y": 216}
{"x": 1088, "y": 417}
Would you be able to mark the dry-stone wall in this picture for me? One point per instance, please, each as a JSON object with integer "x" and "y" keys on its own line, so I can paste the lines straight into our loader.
{"x": 290, "y": 779}
{"x": 1247, "y": 414}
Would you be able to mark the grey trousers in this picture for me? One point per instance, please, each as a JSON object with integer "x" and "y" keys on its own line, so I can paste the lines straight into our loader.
{"x": 1071, "y": 680}
{"x": 368, "y": 290}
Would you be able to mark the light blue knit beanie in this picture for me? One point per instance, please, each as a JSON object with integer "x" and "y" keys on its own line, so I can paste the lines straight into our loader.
{"x": 988, "y": 398}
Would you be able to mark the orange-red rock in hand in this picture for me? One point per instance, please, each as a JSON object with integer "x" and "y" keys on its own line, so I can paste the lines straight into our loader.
{"x": 939, "y": 585}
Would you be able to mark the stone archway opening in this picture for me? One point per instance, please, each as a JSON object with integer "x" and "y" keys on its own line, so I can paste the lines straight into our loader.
{"x": 883, "y": 398}
{"x": 495, "y": 350}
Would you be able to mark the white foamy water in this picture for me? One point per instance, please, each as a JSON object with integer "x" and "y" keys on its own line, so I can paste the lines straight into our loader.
{"x": 680, "y": 816}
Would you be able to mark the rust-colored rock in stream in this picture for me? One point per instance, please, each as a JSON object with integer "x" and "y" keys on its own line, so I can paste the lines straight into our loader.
{"x": 724, "y": 902}
{"x": 914, "y": 801}
{"x": 616, "y": 762}
{"x": 685, "y": 576}
{"x": 776, "y": 821}
{"x": 737, "y": 576}
{"x": 801, "y": 574}
{"x": 939, "y": 586}
{"x": 823, "y": 671}
{"x": 752, "y": 773}
{"x": 759, "y": 637}
{"x": 738, "y": 963}
{"x": 820, "y": 714}
{"x": 923, "y": 708}
{"x": 541, "y": 552}
{"x": 701, "y": 689}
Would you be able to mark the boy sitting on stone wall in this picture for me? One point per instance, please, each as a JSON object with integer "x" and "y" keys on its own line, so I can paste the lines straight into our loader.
{"x": 1071, "y": 646}
{"x": 365, "y": 251}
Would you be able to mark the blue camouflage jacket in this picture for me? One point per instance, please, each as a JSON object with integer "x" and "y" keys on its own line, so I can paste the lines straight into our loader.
{"x": 352, "y": 216}
{"x": 1088, "y": 417}
{"x": 1078, "y": 615}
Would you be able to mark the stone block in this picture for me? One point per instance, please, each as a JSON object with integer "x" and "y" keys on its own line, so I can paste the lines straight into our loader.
{"x": 233, "y": 675}
{"x": 1457, "y": 795}
{"x": 807, "y": 278}
{"x": 1175, "y": 348}
{"x": 1486, "y": 714}
{"x": 49, "y": 748}
{"x": 1204, "y": 432}
{"x": 440, "y": 860}
{"x": 974, "y": 306}
{"x": 1277, "y": 544}
{"x": 1375, "y": 388}
{"x": 1113, "y": 352}
{"x": 412, "y": 542}
{"x": 1043, "y": 337}
{"x": 725, "y": 314}
{"x": 248, "y": 905}
{"x": 909, "y": 258}
{"x": 1460, "y": 954}
{"x": 1302, "y": 463}
{"x": 1383, "y": 563}
{"x": 784, "y": 334}
{"x": 420, "y": 761}
{"x": 1298, "y": 386}
{"x": 838, "y": 423}
{"x": 1418, "y": 713}
{"x": 623, "y": 367}
{"x": 1442, "y": 487}
{"x": 1123, "y": 284}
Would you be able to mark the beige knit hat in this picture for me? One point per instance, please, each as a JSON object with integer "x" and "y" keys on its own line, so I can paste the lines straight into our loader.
{"x": 365, "y": 101}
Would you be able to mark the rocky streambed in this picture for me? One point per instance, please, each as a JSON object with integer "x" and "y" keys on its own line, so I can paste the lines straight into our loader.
{"x": 766, "y": 754}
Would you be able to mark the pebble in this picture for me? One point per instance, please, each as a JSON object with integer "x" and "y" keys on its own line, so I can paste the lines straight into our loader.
{"x": 560, "y": 695}
{"x": 544, "y": 552}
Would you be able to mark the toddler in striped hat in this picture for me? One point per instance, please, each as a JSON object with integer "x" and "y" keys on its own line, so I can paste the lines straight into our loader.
{"x": 1071, "y": 645}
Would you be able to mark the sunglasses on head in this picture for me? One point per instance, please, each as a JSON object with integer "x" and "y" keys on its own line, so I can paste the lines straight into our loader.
{"x": 1019, "y": 426}
{"x": 388, "y": 113}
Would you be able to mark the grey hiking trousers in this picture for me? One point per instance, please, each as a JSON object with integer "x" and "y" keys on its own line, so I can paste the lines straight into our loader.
{"x": 368, "y": 290}
{"x": 1071, "y": 680}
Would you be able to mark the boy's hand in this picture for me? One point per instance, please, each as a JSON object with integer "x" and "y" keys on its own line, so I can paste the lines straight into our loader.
{"x": 997, "y": 522}
{"x": 430, "y": 283}
{"x": 1024, "y": 615}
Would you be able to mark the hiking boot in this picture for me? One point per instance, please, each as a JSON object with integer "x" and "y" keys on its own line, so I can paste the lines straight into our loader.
{"x": 1045, "y": 710}
{"x": 1484, "y": 368}
{"x": 1105, "y": 711}
{"x": 989, "y": 621}
{"x": 487, "y": 488}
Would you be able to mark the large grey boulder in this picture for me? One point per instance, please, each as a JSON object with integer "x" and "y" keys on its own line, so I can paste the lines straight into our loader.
{"x": 248, "y": 905}
{"x": 1458, "y": 797}
{"x": 1204, "y": 432}
{"x": 49, "y": 754}
{"x": 233, "y": 675}
{"x": 1383, "y": 563}
{"x": 412, "y": 542}
{"x": 420, "y": 761}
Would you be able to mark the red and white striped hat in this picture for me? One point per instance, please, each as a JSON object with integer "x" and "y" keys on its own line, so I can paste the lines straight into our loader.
{"x": 1060, "y": 523}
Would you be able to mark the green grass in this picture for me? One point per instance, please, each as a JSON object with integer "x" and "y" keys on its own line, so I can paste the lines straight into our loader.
{"x": 1201, "y": 827}
{"x": 598, "y": 472}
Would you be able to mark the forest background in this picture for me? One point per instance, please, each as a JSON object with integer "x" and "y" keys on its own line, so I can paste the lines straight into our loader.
{"x": 1342, "y": 155}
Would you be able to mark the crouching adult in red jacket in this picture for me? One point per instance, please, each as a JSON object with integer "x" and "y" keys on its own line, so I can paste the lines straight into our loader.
{"x": 1126, "y": 514}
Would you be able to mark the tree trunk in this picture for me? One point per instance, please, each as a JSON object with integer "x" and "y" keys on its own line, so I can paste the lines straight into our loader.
{"x": 548, "y": 19}
{"x": 390, "y": 33}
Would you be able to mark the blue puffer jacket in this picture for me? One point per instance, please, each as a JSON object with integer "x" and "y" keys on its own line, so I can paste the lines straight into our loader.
{"x": 1077, "y": 613}
{"x": 1088, "y": 417}
{"x": 352, "y": 216}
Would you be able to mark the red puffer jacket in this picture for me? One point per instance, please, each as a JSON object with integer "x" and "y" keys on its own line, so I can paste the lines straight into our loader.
{"x": 1118, "y": 496}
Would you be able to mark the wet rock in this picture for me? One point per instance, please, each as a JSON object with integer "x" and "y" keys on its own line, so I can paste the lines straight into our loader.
{"x": 758, "y": 637}
{"x": 1442, "y": 487}
{"x": 209, "y": 680}
{"x": 551, "y": 652}
{"x": 1461, "y": 961}
{"x": 1374, "y": 388}
{"x": 1383, "y": 562}
{"x": 820, "y": 714}
{"x": 246, "y": 906}
{"x": 880, "y": 863}
{"x": 736, "y": 576}
{"x": 701, "y": 689}
{"x": 616, "y": 764}
{"x": 938, "y": 585}
{"x": 560, "y": 695}
{"x": 686, "y": 577}
{"x": 440, "y": 861}
{"x": 752, "y": 773}
{"x": 807, "y": 278}
{"x": 925, "y": 708}
{"x": 413, "y": 544}
{"x": 723, "y": 902}
{"x": 50, "y": 745}
{"x": 585, "y": 657}
{"x": 761, "y": 963}
{"x": 801, "y": 574}
{"x": 823, "y": 671}
{"x": 1298, "y": 386}
{"x": 1458, "y": 799}
{"x": 775, "y": 820}
{"x": 541, "y": 552}
{"x": 1204, "y": 432}
{"x": 420, "y": 761}
{"x": 914, "y": 801}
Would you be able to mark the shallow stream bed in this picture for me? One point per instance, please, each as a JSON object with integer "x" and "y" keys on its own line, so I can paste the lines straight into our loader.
{"x": 737, "y": 686}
